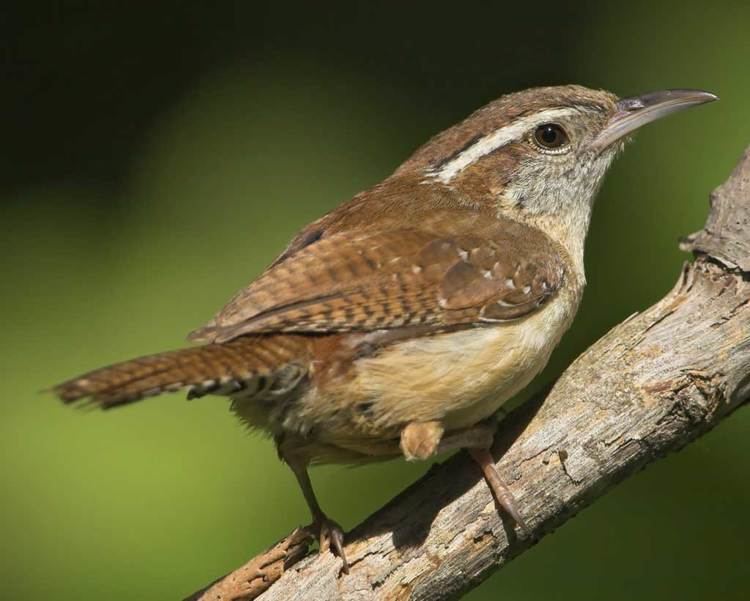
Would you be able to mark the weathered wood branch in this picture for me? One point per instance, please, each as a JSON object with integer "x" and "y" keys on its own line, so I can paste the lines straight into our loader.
{"x": 652, "y": 384}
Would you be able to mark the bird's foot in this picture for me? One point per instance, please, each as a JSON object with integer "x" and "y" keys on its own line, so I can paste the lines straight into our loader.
{"x": 330, "y": 538}
{"x": 421, "y": 440}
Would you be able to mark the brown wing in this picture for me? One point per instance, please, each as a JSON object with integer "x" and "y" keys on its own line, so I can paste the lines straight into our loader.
{"x": 371, "y": 280}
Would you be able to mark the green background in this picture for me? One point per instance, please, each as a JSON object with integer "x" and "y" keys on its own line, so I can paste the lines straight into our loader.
{"x": 156, "y": 156}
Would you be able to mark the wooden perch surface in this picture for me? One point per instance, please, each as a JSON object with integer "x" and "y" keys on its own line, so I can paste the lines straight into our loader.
{"x": 649, "y": 386}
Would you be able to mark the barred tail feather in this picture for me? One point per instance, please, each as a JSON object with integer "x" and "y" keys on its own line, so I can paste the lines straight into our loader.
{"x": 252, "y": 364}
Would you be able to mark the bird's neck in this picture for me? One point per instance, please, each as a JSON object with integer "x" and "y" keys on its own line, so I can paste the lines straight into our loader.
{"x": 568, "y": 230}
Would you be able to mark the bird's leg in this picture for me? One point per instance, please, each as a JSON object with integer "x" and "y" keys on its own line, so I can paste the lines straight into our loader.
{"x": 424, "y": 439}
{"x": 499, "y": 489}
{"x": 480, "y": 436}
{"x": 329, "y": 533}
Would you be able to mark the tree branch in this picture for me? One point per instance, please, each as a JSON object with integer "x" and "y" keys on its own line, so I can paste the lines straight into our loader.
{"x": 652, "y": 384}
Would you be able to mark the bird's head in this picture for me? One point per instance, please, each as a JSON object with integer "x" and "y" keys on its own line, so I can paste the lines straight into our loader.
{"x": 543, "y": 150}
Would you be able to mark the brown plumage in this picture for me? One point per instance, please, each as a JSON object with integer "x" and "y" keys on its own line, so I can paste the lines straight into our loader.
{"x": 402, "y": 320}
{"x": 350, "y": 281}
{"x": 256, "y": 366}
{"x": 420, "y": 272}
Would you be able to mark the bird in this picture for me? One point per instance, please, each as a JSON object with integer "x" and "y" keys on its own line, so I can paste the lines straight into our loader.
{"x": 399, "y": 323}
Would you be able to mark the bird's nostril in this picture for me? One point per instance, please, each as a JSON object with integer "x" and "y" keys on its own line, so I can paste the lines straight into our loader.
{"x": 631, "y": 104}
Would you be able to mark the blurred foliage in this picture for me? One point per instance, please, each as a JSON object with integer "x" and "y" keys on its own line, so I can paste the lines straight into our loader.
{"x": 157, "y": 155}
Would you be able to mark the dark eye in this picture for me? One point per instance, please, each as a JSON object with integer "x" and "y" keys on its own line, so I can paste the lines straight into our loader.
{"x": 550, "y": 136}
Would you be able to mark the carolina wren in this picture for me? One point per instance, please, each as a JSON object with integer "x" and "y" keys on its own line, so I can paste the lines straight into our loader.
{"x": 399, "y": 323}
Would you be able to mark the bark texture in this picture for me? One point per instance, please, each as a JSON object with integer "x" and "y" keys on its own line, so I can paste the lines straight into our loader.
{"x": 652, "y": 384}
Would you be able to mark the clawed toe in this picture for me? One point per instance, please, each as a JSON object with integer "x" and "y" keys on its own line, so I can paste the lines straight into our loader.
{"x": 330, "y": 538}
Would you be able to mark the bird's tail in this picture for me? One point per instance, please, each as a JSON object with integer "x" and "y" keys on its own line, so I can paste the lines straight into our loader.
{"x": 249, "y": 365}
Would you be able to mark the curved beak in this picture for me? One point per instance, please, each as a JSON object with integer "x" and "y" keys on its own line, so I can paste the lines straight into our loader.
{"x": 632, "y": 113}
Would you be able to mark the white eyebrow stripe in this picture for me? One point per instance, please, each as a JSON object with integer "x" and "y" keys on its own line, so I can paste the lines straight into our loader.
{"x": 491, "y": 142}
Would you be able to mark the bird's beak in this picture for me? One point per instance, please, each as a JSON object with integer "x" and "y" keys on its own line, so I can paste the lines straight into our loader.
{"x": 632, "y": 113}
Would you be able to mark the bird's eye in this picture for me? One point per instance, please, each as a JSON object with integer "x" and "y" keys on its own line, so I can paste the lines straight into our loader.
{"x": 550, "y": 136}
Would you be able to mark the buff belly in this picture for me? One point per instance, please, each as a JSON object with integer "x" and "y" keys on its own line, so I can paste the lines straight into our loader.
{"x": 458, "y": 379}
